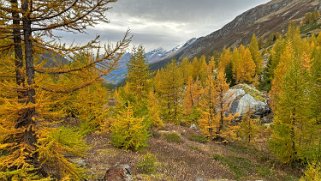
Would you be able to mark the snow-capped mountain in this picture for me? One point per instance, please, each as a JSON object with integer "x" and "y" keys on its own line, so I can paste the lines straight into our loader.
{"x": 155, "y": 55}
{"x": 119, "y": 74}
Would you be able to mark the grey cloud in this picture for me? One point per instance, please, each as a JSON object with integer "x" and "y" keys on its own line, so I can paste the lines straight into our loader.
{"x": 165, "y": 23}
{"x": 149, "y": 40}
{"x": 183, "y": 10}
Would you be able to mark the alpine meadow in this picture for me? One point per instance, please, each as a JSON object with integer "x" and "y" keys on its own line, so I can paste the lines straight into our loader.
{"x": 160, "y": 90}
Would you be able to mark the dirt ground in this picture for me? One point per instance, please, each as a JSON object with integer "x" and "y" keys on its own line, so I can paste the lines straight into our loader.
{"x": 186, "y": 160}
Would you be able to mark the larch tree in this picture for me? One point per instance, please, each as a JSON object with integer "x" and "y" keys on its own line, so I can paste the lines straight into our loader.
{"x": 208, "y": 121}
{"x": 283, "y": 58}
{"x": 225, "y": 65}
{"x": 128, "y": 131}
{"x": 138, "y": 74}
{"x": 169, "y": 87}
{"x": 202, "y": 69}
{"x": 291, "y": 115}
{"x": 212, "y": 101}
{"x": 248, "y": 73}
{"x": 315, "y": 73}
{"x": 248, "y": 128}
{"x": 27, "y": 24}
{"x": 222, "y": 87}
{"x": 256, "y": 55}
{"x": 243, "y": 65}
{"x": 192, "y": 94}
{"x": 137, "y": 82}
{"x": 273, "y": 62}
{"x": 236, "y": 65}
{"x": 316, "y": 81}
{"x": 187, "y": 69}
{"x": 293, "y": 134}
{"x": 154, "y": 110}
{"x": 196, "y": 66}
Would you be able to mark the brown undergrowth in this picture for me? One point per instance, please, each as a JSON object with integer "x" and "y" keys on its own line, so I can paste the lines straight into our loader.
{"x": 188, "y": 159}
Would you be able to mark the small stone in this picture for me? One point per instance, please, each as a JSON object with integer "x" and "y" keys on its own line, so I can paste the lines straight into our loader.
{"x": 193, "y": 126}
{"x": 79, "y": 161}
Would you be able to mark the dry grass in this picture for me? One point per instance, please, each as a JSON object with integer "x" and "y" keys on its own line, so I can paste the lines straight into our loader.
{"x": 185, "y": 160}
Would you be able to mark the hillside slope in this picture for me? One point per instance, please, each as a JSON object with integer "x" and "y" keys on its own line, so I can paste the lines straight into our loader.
{"x": 262, "y": 20}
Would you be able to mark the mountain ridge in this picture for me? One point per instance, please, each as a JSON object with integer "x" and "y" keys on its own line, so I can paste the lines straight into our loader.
{"x": 261, "y": 20}
{"x": 119, "y": 74}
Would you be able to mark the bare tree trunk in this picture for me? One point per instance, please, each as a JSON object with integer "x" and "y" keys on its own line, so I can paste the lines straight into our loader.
{"x": 26, "y": 117}
{"x": 30, "y": 72}
{"x": 25, "y": 93}
{"x": 211, "y": 114}
{"x": 20, "y": 79}
{"x": 250, "y": 129}
{"x": 30, "y": 112}
{"x": 221, "y": 123}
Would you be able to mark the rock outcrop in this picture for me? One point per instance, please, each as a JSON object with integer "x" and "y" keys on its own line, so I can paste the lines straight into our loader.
{"x": 243, "y": 99}
{"x": 119, "y": 172}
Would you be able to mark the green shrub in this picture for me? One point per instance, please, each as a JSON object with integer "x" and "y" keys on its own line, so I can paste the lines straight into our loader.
{"x": 173, "y": 138}
{"x": 241, "y": 167}
{"x": 129, "y": 132}
{"x": 147, "y": 164}
{"x": 198, "y": 138}
{"x": 264, "y": 171}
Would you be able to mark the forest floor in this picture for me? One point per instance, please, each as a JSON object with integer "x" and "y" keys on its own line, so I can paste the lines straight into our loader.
{"x": 184, "y": 155}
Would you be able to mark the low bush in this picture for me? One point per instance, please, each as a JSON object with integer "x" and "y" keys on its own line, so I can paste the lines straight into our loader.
{"x": 147, "y": 164}
{"x": 198, "y": 138}
{"x": 173, "y": 138}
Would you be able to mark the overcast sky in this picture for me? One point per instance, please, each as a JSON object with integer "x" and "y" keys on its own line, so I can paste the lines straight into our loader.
{"x": 165, "y": 23}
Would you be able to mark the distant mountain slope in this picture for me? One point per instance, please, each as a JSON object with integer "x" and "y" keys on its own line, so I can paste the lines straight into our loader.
{"x": 152, "y": 57}
{"x": 262, "y": 20}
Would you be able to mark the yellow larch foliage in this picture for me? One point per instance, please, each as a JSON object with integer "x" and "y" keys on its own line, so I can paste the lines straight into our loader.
{"x": 249, "y": 67}
{"x": 169, "y": 88}
{"x": 225, "y": 60}
{"x": 138, "y": 74}
{"x": 154, "y": 110}
{"x": 186, "y": 68}
{"x": 312, "y": 172}
{"x": 222, "y": 107}
{"x": 236, "y": 64}
{"x": 128, "y": 131}
{"x": 32, "y": 111}
{"x": 202, "y": 69}
{"x": 193, "y": 91}
{"x": 256, "y": 55}
{"x": 243, "y": 65}
{"x": 208, "y": 121}
{"x": 231, "y": 131}
{"x": 249, "y": 129}
{"x": 294, "y": 125}
{"x": 285, "y": 60}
